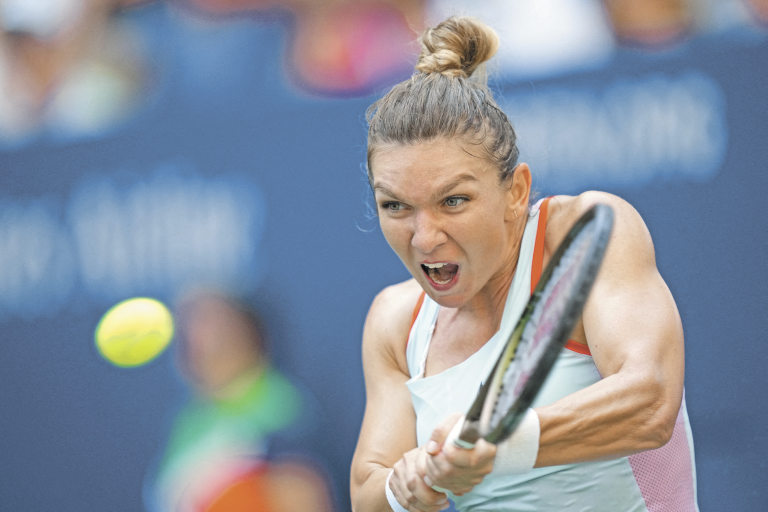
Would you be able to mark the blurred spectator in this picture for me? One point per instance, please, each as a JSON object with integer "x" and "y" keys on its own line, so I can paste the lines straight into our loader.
{"x": 760, "y": 10}
{"x": 352, "y": 46}
{"x": 69, "y": 66}
{"x": 340, "y": 47}
{"x": 651, "y": 22}
{"x": 218, "y": 457}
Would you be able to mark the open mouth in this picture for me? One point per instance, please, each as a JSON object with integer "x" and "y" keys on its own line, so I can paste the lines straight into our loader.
{"x": 440, "y": 273}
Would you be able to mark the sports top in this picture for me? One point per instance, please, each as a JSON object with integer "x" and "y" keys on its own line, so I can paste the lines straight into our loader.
{"x": 662, "y": 480}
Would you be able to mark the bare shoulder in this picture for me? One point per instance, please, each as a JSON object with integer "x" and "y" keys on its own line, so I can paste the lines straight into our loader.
{"x": 631, "y": 244}
{"x": 389, "y": 321}
{"x": 565, "y": 210}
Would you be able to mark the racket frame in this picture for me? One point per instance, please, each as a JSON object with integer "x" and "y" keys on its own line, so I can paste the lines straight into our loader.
{"x": 476, "y": 422}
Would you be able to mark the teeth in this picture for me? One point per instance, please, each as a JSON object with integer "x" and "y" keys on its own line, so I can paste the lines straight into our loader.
{"x": 434, "y": 265}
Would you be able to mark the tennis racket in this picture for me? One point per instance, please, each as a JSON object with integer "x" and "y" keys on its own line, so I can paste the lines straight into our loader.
{"x": 548, "y": 319}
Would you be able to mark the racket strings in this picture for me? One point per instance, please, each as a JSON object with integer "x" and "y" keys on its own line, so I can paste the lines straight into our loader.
{"x": 542, "y": 323}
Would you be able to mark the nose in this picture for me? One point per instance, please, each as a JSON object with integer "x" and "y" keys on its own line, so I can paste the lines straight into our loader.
{"x": 428, "y": 232}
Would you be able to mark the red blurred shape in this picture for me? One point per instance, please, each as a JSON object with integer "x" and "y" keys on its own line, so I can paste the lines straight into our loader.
{"x": 760, "y": 10}
{"x": 342, "y": 47}
{"x": 286, "y": 486}
{"x": 250, "y": 493}
{"x": 352, "y": 47}
{"x": 650, "y": 23}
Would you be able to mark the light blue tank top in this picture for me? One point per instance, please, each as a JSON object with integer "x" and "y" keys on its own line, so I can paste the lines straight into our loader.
{"x": 606, "y": 486}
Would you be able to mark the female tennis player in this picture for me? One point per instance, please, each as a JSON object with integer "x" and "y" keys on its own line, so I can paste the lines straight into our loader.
{"x": 608, "y": 431}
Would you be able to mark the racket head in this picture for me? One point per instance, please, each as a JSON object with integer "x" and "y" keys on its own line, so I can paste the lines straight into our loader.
{"x": 539, "y": 336}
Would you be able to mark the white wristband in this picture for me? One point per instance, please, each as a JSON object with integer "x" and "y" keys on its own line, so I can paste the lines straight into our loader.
{"x": 391, "y": 497}
{"x": 517, "y": 454}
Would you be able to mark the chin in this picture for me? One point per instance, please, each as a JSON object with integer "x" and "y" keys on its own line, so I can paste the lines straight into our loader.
{"x": 450, "y": 300}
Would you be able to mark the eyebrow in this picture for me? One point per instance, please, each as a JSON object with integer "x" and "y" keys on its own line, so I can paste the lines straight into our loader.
{"x": 450, "y": 186}
{"x": 437, "y": 195}
{"x": 385, "y": 190}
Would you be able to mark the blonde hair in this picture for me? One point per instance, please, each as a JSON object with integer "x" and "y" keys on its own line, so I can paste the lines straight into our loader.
{"x": 456, "y": 47}
{"x": 445, "y": 98}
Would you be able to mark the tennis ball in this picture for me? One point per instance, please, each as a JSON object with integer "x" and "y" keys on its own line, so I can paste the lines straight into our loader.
{"x": 134, "y": 332}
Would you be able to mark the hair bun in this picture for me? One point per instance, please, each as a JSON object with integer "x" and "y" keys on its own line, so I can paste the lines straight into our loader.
{"x": 456, "y": 47}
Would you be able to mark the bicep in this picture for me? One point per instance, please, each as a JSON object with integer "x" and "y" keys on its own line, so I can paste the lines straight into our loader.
{"x": 631, "y": 321}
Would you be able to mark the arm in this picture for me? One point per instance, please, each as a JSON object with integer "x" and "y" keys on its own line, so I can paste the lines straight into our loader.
{"x": 389, "y": 424}
{"x": 633, "y": 330}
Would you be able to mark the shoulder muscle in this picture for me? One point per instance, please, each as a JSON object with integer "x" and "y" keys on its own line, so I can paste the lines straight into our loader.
{"x": 630, "y": 243}
{"x": 388, "y": 323}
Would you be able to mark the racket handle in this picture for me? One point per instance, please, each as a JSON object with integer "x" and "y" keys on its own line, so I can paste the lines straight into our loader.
{"x": 453, "y": 438}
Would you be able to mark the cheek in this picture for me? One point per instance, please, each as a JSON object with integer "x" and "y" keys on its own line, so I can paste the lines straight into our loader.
{"x": 396, "y": 234}
{"x": 483, "y": 237}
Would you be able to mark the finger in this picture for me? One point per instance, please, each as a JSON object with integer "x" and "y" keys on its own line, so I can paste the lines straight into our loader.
{"x": 423, "y": 498}
{"x": 425, "y": 493}
{"x": 440, "y": 433}
{"x": 457, "y": 469}
{"x": 414, "y": 491}
{"x": 478, "y": 457}
{"x": 402, "y": 494}
{"x": 429, "y": 500}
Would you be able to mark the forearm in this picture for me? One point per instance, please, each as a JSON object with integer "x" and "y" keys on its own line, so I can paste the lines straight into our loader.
{"x": 622, "y": 414}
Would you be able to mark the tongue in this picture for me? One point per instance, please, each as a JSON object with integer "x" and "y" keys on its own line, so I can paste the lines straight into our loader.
{"x": 444, "y": 273}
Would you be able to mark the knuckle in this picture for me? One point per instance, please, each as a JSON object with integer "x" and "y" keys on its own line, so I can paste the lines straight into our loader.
{"x": 458, "y": 459}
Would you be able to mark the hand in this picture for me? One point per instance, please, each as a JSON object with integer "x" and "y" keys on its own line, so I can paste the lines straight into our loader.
{"x": 456, "y": 469}
{"x": 407, "y": 484}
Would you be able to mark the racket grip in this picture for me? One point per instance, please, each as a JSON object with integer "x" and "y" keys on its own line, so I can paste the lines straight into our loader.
{"x": 453, "y": 438}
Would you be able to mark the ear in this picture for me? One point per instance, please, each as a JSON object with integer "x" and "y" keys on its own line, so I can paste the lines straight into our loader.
{"x": 518, "y": 193}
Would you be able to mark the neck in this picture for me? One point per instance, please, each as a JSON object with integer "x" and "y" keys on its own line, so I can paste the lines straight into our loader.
{"x": 489, "y": 302}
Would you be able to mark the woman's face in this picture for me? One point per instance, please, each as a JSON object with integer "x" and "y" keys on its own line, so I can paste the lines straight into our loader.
{"x": 443, "y": 211}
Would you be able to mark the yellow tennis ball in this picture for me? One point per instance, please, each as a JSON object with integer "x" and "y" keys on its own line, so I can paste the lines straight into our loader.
{"x": 134, "y": 332}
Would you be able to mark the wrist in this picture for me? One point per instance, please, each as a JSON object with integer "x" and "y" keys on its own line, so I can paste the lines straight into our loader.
{"x": 393, "y": 503}
{"x": 517, "y": 454}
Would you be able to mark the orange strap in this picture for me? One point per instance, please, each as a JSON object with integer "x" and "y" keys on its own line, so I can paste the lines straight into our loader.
{"x": 536, "y": 268}
{"x": 538, "y": 264}
{"x": 416, "y": 309}
{"x": 538, "y": 247}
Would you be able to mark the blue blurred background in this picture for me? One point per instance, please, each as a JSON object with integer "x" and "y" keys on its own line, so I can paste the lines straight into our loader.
{"x": 147, "y": 147}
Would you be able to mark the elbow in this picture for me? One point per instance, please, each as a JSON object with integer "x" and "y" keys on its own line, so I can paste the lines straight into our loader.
{"x": 660, "y": 422}
{"x": 355, "y": 484}
{"x": 660, "y": 431}
{"x": 359, "y": 484}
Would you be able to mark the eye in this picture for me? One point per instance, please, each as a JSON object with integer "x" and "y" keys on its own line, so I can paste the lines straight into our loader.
{"x": 392, "y": 206}
{"x": 455, "y": 201}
